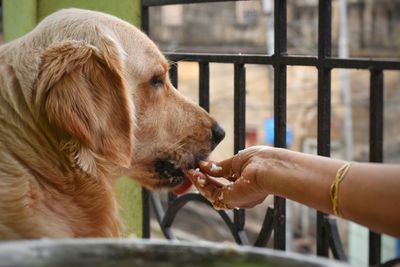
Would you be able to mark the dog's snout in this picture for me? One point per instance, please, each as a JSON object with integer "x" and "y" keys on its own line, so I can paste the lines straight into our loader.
{"x": 217, "y": 134}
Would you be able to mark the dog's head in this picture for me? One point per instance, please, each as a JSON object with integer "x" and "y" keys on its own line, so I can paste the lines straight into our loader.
{"x": 103, "y": 89}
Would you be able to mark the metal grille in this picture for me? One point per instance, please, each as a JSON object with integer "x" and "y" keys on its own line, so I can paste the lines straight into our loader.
{"x": 274, "y": 220}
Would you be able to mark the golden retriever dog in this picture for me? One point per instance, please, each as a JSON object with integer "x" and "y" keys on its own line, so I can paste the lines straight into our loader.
{"x": 85, "y": 98}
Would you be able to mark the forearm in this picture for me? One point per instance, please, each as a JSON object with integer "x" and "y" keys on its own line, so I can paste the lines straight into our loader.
{"x": 304, "y": 178}
{"x": 369, "y": 193}
{"x": 370, "y": 196}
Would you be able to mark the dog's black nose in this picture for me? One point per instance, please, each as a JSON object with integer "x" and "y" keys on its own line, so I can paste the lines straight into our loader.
{"x": 217, "y": 134}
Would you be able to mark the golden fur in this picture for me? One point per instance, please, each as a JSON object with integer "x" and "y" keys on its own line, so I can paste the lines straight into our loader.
{"x": 84, "y": 98}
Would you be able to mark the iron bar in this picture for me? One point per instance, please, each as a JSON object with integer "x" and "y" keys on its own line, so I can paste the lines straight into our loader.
{"x": 239, "y": 132}
{"x": 145, "y": 213}
{"x": 173, "y": 74}
{"x": 280, "y": 141}
{"x": 144, "y": 21}
{"x": 149, "y": 3}
{"x": 361, "y": 63}
{"x": 280, "y": 31}
{"x": 290, "y": 60}
{"x": 334, "y": 239}
{"x": 204, "y": 85}
{"x": 146, "y": 194}
{"x": 324, "y": 107}
{"x": 266, "y": 230}
{"x": 376, "y": 148}
{"x": 181, "y": 201}
{"x": 160, "y": 215}
{"x": 240, "y": 107}
{"x": 280, "y": 49}
{"x": 376, "y": 116}
{"x": 171, "y": 197}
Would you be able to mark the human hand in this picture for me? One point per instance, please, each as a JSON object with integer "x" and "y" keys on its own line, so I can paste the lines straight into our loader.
{"x": 246, "y": 179}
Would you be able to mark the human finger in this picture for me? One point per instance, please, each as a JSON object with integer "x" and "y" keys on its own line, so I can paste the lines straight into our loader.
{"x": 230, "y": 168}
{"x": 217, "y": 169}
{"x": 207, "y": 186}
{"x": 221, "y": 169}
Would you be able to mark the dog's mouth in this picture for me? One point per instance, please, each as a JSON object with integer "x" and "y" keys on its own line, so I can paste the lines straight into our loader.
{"x": 173, "y": 177}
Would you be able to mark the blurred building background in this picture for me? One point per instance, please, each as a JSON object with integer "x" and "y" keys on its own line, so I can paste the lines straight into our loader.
{"x": 242, "y": 27}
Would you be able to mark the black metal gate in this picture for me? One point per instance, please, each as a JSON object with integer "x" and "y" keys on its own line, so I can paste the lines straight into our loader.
{"x": 275, "y": 221}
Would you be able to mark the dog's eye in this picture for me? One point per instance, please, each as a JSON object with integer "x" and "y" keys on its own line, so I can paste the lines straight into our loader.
{"x": 156, "y": 82}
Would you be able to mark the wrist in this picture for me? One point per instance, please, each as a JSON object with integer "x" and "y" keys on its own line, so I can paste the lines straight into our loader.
{"x": 274, "y": 164}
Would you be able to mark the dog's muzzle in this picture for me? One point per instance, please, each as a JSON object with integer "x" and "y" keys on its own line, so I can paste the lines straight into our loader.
{"x": 217, "y": 135}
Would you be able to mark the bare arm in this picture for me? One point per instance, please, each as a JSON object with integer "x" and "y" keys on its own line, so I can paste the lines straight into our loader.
{"x": 369, "y": 193}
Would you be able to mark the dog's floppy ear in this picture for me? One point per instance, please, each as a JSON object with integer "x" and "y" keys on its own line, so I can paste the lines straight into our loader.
{"x": 81, "y": 89}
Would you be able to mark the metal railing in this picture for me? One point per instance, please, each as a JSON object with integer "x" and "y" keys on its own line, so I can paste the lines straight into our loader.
{"x": 274, "y": 220}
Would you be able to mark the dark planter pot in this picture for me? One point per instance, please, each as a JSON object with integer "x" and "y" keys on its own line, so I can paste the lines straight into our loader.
{"x": 146, "y": 253}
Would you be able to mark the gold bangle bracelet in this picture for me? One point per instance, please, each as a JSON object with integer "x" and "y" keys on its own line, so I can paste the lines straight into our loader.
{"x": 340, "y": 175}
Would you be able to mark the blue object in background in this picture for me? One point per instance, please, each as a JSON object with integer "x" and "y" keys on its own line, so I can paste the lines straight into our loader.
{"x": 269, "y": 132}
{"x": 398, "y": 248}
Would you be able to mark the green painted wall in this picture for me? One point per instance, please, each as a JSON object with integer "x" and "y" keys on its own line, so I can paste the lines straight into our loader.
{"x": 21, "y": 16}
{"x": 128, "y": 10}
{"x": 129, "y": 196}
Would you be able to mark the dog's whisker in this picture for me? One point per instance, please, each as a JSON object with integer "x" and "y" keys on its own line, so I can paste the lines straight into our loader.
{"x": 172, "y": 63}
{"x": 177, "y": 145}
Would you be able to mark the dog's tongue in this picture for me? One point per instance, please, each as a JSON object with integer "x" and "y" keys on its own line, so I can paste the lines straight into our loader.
{"x": 183, "y": 187}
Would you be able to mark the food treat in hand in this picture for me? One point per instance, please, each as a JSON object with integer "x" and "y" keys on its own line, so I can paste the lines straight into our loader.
{"x": 210, "y": 188}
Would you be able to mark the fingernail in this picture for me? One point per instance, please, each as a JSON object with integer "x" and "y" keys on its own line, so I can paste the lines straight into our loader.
{"x": 194, "y": 173}
{"x": 191, "y": 172}
{"x": 201, "y": 181}
{"x": 204, "y": 164}
{"x": 215, "y": 168}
